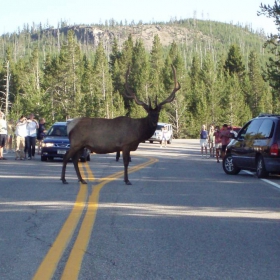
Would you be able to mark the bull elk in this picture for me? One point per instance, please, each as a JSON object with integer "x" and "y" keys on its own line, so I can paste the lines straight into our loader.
{"x": 103, "y": 136}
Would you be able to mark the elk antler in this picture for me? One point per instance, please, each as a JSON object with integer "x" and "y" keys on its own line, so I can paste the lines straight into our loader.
{"x": 132, "y": 95}
{"x": 177, "y": 86}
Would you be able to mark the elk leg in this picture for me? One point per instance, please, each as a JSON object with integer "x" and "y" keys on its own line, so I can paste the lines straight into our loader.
{"x": 118, "y": 154}
{"x": 65, "y": 160}
{"x": 70, "y": 153}
{"x": 126, "y": 156}
{"x": 75, "y": 160}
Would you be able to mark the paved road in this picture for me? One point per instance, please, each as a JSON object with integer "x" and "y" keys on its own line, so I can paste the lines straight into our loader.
{"x": 182, "y": 218}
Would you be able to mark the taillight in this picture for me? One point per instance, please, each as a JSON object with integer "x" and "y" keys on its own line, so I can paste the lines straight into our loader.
{"x": 274, "y": 150}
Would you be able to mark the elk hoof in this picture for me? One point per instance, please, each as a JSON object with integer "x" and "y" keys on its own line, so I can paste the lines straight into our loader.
{"x": 83, "y": 182}
{"x": 64, "y": 181}
{"x": 128, "y": 183}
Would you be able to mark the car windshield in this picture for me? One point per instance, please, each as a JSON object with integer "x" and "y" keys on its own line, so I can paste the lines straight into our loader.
{"x": 57, "y": 131}
{"x": 159, "y": 127}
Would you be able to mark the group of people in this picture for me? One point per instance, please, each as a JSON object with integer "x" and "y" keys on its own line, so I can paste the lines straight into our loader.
{"x": 216, "y": 139}
{"x": 27, "y": 131}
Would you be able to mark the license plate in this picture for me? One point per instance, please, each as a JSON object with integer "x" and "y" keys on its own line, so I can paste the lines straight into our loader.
{"x": 61, "y": 152}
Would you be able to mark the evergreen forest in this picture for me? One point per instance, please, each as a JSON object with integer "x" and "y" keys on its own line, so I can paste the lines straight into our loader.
{"x": 69, "y": 71}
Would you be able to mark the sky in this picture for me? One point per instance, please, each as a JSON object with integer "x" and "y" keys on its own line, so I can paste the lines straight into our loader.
{"x": 16, "y": 13}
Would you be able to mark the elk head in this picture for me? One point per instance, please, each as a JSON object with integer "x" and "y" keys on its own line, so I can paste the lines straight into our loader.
{"x": 152, "y": 112}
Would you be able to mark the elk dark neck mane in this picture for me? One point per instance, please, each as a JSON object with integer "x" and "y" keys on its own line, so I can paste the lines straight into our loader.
{"x": 148, "y": 128}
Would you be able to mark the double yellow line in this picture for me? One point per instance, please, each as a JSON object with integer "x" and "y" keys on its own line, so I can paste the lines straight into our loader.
{"x": 73, "y": 265}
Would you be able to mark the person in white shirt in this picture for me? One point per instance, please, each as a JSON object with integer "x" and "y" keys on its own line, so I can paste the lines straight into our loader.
{"x": 164, "y": 137}
{"x": 21, "y": 133}
{"x": 3, "y": 134}
{"x": 32, "y": 126}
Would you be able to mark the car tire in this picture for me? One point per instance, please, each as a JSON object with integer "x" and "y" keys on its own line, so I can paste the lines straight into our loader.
{"x": 228, "y": 165}
{"x": 169, "y": 141}
{"x": 88, "y": 157}
{"x": 151, "y": 142}
{"x": 43, "y": 158}
{"x": 260, "y": 170}
{"x": 83, "y": 159}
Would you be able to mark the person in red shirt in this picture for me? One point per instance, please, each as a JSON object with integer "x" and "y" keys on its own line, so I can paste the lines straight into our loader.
{"x": 218, "y": 142}
{"x": 225, "y": 137}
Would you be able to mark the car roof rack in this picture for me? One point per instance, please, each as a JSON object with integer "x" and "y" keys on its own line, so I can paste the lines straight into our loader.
{"x": 268, "y": 115}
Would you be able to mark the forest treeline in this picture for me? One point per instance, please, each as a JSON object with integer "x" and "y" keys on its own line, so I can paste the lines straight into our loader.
{"x": 67, "y": 78}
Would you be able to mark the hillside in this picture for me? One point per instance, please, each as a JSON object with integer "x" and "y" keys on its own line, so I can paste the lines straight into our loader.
{"x": 194, "y": 36}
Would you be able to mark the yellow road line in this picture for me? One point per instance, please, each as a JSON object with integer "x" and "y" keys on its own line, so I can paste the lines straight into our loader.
{"x": 90, "y": 174}
{"x": 73, "y": 265}
{"x": 49, "y": 264}
{"x": 130, "y": 170}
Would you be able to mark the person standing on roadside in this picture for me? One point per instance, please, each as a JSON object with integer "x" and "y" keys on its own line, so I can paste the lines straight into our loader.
{"x": 164, "y": 137}
{"x": 10, "y": 136}
{"x": 41, "y": 133}
{"x": 225, "y": 136}
{"x": 203, "y": 140}
{"x": 218, "y": 142}
{"x": 21, "y": 132}
{"x": 32, "y": 126}
{"x": 211, "y": 140}
{"x": 3, "y": 134}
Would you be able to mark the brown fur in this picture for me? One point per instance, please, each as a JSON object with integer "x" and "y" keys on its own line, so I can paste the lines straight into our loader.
{"x": 104, "y": 136}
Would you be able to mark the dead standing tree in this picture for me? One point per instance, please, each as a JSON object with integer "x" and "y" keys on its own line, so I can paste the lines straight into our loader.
{"x": 6, "y": 95}
{"x": 104, "y": 136}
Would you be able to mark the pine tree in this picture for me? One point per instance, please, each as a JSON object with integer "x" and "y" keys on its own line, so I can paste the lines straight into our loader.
{"x": 234, "y": 109}
{"x": 124, "y": 62}
{"x": 103, "y": 90}
{"x": 234, "y": 64}
{"x": 176, "y": 110}
{"x": 156, "y": 67}
{"x": 272, "y": 72}
{"x": 139, "y": 78}
{"x": 256, "y": 96}
{"x": 209, "y": 77}
{"x": 87, "y": 85}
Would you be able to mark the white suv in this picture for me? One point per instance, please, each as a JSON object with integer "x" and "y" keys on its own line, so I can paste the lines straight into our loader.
{"x": 158, "y": 133}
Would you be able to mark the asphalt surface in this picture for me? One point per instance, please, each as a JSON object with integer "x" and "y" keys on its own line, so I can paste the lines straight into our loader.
{"x": 182, "y": 218}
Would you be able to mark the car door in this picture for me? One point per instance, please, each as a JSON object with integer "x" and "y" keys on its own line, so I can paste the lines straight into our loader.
{"x": 243, "y": 150}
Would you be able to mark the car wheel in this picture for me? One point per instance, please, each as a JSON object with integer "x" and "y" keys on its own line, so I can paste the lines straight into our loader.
{"x": 88, "y": 157}
{"x": 151, "y": 141}
{"x": 43, "y": 158}
{"x": 228, "y": 165}
{"x": 83, "y": 159}
{"x": 169, "y": 141}
{"x": 261, "y": 171}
